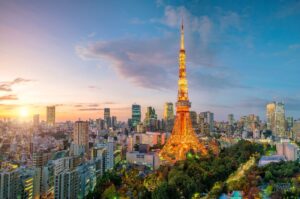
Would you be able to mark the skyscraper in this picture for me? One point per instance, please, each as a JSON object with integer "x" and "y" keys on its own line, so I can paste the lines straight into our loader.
{"x": 168, "y": 111}
{"x": 150, "y": 121}
{"x": 208, "y": 118}
{"x": 27, "y": 177}
{"x": 168, "y": 116}
{"x": 66, "y": 184}
{"x": 114, "y": 121}
{"x": 51, "y": 115}
{"x": 183, "y": 138}
{"x": 270, "y": 113}
{"x": 136, "y": 114}
{"x": 280, "y": 123}
{"x": 107, "y": 118}
{"x": 81, "y": 137}
{"x": 9, "y": 182}
{"x": 276, "y": 118}
{"x": 110, "y": 149}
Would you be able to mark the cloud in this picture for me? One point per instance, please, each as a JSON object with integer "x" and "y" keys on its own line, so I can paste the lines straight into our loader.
{"x": 152, "y": 62}
{"x": 212, "y": 80}
{"x": 109, "y": 102}
{"x": 8, "y": 97}
{"x": 253, "y": 103}
{"x": 202, "y": 25}
{"x": 7, "y": 86}
{"x": 78, "y": 105}
{"x": 101, "y": 109}
{"x": 93, "y": 105}
{"x": 142, "y": 62}
{"x": 20, "y": 80}
{"x": 94, "y": 87}
{"x": 56, "y": 105}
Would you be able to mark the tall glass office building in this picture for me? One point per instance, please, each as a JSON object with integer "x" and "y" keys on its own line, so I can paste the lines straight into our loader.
{"x": 136, "y": 114}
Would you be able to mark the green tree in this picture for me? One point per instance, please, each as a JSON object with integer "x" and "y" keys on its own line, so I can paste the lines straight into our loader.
{"x": 165, "y": 191}
{"x": 184, "y": 184}
{"x": 110, "y": 193}
{"x": 268, "y": 176}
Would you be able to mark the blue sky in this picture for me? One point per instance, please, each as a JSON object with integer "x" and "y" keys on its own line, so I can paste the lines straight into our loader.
{"x": 84, "y": 56}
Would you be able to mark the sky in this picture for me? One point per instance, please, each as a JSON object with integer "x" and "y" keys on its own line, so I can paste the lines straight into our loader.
{"x": 82, "y": 56}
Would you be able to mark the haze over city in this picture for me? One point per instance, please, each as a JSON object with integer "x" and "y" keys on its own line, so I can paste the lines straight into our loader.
{"x": 85, "y": 57}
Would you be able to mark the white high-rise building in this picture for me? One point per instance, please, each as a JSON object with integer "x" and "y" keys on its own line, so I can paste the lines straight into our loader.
{"x": 110, "y": 148}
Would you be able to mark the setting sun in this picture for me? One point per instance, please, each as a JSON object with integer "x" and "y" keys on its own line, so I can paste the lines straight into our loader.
{"x": 24, "y": 112}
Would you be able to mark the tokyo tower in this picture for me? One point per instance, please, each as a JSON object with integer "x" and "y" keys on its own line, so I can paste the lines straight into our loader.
{"x": 183, "y": 138}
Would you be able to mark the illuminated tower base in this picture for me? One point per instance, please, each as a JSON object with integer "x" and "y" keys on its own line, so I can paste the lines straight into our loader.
{"x": 183, "y": 139}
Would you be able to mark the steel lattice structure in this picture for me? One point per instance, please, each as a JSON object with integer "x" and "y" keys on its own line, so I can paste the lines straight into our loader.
{"x": 183, "y": 138}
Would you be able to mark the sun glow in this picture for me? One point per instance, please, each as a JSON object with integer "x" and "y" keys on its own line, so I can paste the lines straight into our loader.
{"x": 24, "y": 112}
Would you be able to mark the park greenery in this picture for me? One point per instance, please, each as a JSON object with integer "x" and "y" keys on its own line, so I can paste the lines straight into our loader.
{"x": 234, "y": 168}
{"x": 197, "y": 176}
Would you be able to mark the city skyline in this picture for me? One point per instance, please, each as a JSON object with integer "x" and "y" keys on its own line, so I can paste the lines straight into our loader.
{"x": 84, "y": 58}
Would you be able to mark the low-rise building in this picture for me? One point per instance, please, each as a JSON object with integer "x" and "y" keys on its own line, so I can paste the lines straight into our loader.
{"x": 264, "y": 160}
{"x": 150, "y": 159}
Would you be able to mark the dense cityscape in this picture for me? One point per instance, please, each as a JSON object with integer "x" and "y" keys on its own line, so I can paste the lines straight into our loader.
{"x": 49, "y": 159}
{"x": 179, "y": 152}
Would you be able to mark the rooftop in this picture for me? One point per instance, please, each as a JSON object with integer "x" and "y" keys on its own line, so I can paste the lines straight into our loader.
{"x": 264, "y": 160}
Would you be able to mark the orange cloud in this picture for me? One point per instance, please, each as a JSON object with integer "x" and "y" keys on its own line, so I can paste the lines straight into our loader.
{"x": 8, "y": 97}
{"x": 6, "y": 86}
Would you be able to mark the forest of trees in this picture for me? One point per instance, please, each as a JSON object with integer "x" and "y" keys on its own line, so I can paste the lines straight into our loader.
{"x": 198, "y": 176}
{"x": 192, "y": 177}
